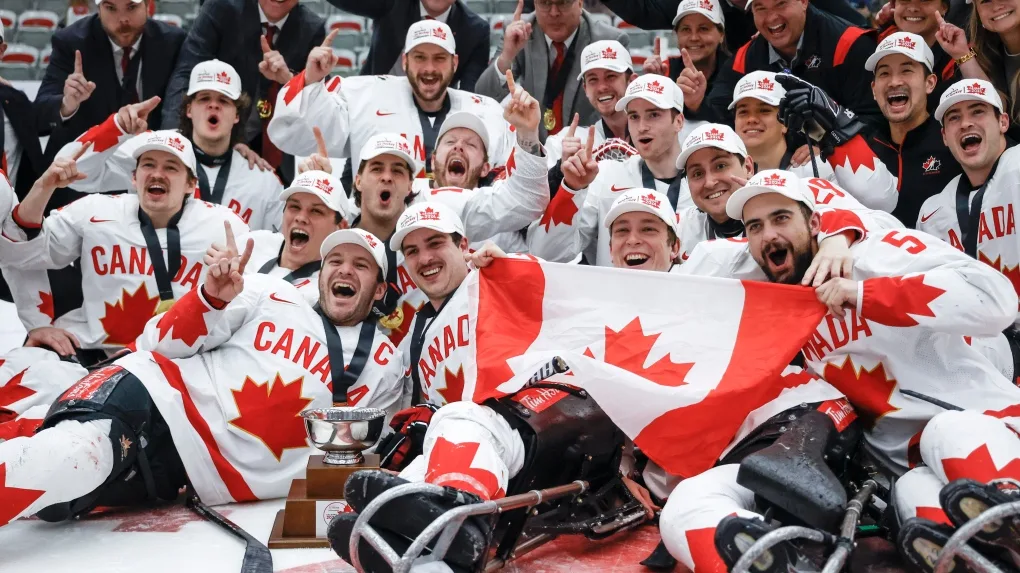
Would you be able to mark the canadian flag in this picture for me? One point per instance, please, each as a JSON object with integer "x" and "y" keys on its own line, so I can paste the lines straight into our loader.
{"x": 684, "y": 365}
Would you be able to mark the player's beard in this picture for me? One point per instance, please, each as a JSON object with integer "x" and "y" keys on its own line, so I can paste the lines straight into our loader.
{"x": 348, "y": 315}
{"x": 801, "y": 262}
{"x": 444, "y": 83}
{"x": 468, "y": 181}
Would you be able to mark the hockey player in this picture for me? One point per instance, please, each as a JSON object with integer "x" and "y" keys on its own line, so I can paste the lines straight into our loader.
{"x": 351, "y": 112}
{"x": 225, "y": 372}
{"x": 906, "y": 310}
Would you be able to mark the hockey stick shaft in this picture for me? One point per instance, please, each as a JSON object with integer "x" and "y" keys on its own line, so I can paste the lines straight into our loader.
{"x": 931, "y": 400}
{"x": 257, "y": 558}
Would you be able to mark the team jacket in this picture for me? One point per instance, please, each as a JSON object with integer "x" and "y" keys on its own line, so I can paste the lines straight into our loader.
{"x": 266, "y": 253}
{"x": 831, "y": 57}
{"x": 252, "y": 194}
{"x": 118, "y": 283}
{"x": 365, "y": 106}
{"x": 918, "y": 301}
{"x": 231, "y": 384}
{"x": 998, "y": 244}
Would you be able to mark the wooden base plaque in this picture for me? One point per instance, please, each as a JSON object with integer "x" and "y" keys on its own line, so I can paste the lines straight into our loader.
{"x": 312, "y": 502}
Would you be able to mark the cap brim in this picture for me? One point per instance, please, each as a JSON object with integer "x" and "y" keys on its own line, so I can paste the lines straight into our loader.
{"x": 622, "y": 104}
{"x": 349, "y": 237}
{"x": 326, "y": 199}
{"x": 619, "y": 68}
{"x": 681, "y": 160}
{"x": 775, "y": 101}
{"x": 157, "y": 147}
{"x": 873, "y": 59}
{"x": 632, "y": 207}
{"x": 467, "y": 121}
{"x": 396, "y": 152}
{"x": 232, "y": 94}
{"x": 950, "y": 101}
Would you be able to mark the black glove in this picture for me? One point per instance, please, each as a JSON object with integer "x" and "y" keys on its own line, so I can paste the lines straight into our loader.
{"x": 808, "y": 108}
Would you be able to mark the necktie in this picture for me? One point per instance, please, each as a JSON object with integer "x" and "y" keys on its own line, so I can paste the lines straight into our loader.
{"x": 270, "y": 152}
{"x": 554, "y": 70}
{"x": 125, "y": 59}
{"x": 130, "y": 83}
{"x": 429, "y": 18}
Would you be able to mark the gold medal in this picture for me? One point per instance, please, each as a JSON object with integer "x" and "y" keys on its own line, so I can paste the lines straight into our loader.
{"x": 164, "y": 305}
{"x": 394, "y": 320}
{"x": 265, "y": 109}
{"x": 549, "y": 118}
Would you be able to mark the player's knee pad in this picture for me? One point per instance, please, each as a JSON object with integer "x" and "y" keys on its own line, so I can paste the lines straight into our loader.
{"x": 969, "y": 444}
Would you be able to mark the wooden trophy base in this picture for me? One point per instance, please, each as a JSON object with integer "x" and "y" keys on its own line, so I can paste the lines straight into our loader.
{"x": 312, "y": 503}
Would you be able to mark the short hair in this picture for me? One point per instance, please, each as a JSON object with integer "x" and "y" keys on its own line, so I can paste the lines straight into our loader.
{"x": 242, "y": 104}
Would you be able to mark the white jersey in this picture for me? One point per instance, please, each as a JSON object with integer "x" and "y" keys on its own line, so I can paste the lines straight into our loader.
{"x": 118, "y": 281}
{"x": 30, "y": 290}
{"x": 265, "y": 259}
{"x": 31, "y": 377}
{"x": 572, "y": 224}
{"x": 918, "y": 301}
{"x": 252, "y": 194}
{"x": 231, "y": 384}
{"x": 352, "y": 110}
{"x": 998, "y": 244}
{"x": 858, "y": 170}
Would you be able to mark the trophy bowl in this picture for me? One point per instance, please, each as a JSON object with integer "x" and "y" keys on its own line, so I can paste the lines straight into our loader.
{"x": 344, "y": 432}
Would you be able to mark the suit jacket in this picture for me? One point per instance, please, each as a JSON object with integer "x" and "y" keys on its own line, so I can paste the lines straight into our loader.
{"x": 18, "y": 109}
{"x": 392, "y": 18}
{"x": 229, "y": 30}
{"x": 159, "y": 48}
{"x": 531, "y": 69}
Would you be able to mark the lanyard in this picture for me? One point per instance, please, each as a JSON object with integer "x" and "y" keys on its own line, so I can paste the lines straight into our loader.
{"x": 344, "y": 378}
{"x": 648, "y": 182}
{"x": 215, "y": 195}
{"x": 968, "y": 213}
{"x": 163, "y": 271}
{"x": 430, "y": 129}
{"x": 304, "y": 271}
{"x": 728, "y": 230}
{"x": 422, "y": 320}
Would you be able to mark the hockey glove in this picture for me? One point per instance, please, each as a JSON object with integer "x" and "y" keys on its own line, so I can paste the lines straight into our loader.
{"x": 807, "y": 107}
{"x": 408, "y": 438}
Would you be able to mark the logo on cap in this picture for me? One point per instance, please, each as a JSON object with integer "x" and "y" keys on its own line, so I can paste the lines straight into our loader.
{"x": 975, "y": 88}
{"x": 906, "y": 42}
{"x": 402, "y": 146}
{"x": 370, "y": 240}
{"x": 323, "y": 185}
{"x": 706, "y": 5}
{"x": 766, "y": 84}
{"x": 408, "y": 220}
{"x": 176, "y": 143}
{"x": 439, "y": 33}
{"x": 655, "y": 87}
{"x": 429, "y": 214}
{"x": 774, "y": 180}
{"x": 223, "y": 77}
{"x": 651, "y": 201}
{"x": 714, "y": 135}
{"x": 609, "y": 54}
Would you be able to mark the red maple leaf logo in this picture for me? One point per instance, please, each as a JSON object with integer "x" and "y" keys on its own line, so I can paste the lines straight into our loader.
{"x": 271, "y": 413}
{"x": 454, "y": 391}
{"x": 186, "y": 320}
{"x": 651, "y": 201}
{"x": 976, "y": 88}
{"x": 890, "y": 300}
{"x": 103, "y": 136}
{"x": 176, "y": 143}
{"x": 713, "y": 135}
{"x": 223, "y": 77}
{"x": 629, "y": 349}
{"x": 560, "y": 211}
{"x": 1012, "y": 273}
{"x": 46, "y": 304}
{"x": 429, "y": 214}
{"x": 439, "y": 33}
{"x": 706, "y": 5}
{"x": 450, "y": 465}
{"x": 126, "y": 319}
{"x": 609, "y": 54}
{"x": 869, "y": 391}
{"x": 15, "y": 499}
{"x": 979, "y": 465}
{"x": 324, "y": 186}
{"x": 766, "y": 84}
{"x": 13, "y": 391}
{"x": 654, "y": 87}
{"x": 774, "y": 180}
{"x": 906, "y": 43}
{"x": 856, "y": 153}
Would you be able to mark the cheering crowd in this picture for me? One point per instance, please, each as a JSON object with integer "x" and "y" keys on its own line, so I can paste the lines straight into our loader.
{"x": 222, "y": 232}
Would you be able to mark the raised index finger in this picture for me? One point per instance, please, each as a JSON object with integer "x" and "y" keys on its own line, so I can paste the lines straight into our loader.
{"x": 519, "y": 10}
{"x": 77, "y": 61}
{"x": 510, "y": 81}
{"x": 938, "y": 18}
{"x": 248, "y": 248}
{"x": 81, "y": 151}
{"x": 231, "y": 244}
{"x": 320, "y": 142}
{"x": 328, "y": 42}
{"x": 265, "y": 45}
{"x": 573, "y": 125}
{"x": 688, "y": 62}
{"x": 591, "y": 142}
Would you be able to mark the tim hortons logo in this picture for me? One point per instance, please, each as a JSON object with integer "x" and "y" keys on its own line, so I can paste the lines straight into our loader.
{"x": 439, "y": 33}
{"x": 651, "y": 201}
{"x": 609, "y": 54}
{"x": 976, "y": 89}
{"x": 402, "y": 146}
{"x": 906, "y": 43}
{"x": 223, "y": 78}
{"x": 429, "y": 214}
{"x": 766, "y": 84}
{"x": 324, "y": 186}
{"x": 774, "y": 180}
{"x": 176, "y": 143}
{"x": 713, "y": 135}
{"x": 655, "y": 87}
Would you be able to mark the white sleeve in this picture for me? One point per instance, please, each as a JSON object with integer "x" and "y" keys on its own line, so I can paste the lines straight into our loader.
{"x": 32, "y": 296}
{"x": 59, "y": 242}
{"x": 554, "y": 236}
{"x": 107, "y": 164}
{"x": 193, "y": 325}
{"x": 299, "y": 108}
{"x": 862, "y": 173}
{"x": 512, "y": 203}
{"x": 722, "y": 258}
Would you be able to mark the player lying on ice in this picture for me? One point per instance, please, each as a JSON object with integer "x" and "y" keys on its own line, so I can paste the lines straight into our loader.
{"x": 907, "y": 311}
{"x": 212, "y": 396}
{"x": 486, "y": 450}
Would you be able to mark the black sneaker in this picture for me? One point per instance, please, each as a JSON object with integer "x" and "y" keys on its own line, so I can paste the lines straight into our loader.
{"x": 735, "y": 535}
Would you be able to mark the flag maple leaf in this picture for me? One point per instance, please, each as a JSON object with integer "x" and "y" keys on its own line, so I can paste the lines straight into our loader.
{"x": 103, "y": 136}
{"x": 14, "y": 500}
{"x": 271, "y": 413}
{"x": 126, "y": 319}
{"x": 870, "y": 391}
{"x": 629, "y": 349}
{"x": 890, "y": 300}
{"x": 560, "y": 211}
{"x": 13, "y": 391}
{"x": 407, "y": 311}
{"x": 1007, "y": 412}
{"x": 511, "y": 164}
{"x": 294, "y": 87}
{"x": 454, "y": 390}
{"x": 185, "y": 320}
{"x": 979, "y": 465}
{"x": 854, "y": 154}
{"x": 450, "y": 465}
{"x": 46, "y": 304}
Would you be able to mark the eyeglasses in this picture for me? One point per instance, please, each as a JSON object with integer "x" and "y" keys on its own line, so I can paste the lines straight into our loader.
{"x": 548, "y": 5}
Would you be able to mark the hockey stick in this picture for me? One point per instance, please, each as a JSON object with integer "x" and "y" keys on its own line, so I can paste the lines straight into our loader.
{"x": 257, "y": 558}
{"x": 930, "y": 400}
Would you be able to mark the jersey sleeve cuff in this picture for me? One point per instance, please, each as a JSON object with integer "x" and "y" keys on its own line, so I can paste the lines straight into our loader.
{"x": 212, "y": 301}
{"x": 838, "y": 222}
{"x": 26, "y": 225}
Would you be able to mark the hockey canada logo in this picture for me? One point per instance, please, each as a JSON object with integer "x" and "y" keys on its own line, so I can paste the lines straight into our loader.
{"x": 774, "y": 180}
{"x": 714, "y": 135}
{"x": 324, "y": 186}
{"x": 609, "y": 54}
{"x": 655, "y": 87}
{"x": 176, "y": 143}
{"x": 813, "y": 62}
{"x": 429, "y": 214}
{"x": 975, "y": 88}
{"x": 439, "y": 33}
{"x": 766, "y": 84}
{"x": 651, "y": 201}
{"x": 223, "y": 78}
{"x": 931, "y": 165}
{"x": 906, "y": 43}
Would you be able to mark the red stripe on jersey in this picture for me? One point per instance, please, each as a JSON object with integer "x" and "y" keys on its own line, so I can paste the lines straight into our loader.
{"x": 21, "y": 222}
{"x": 840, "y": 221}
{"x": 294, "y": 87}
{"x": 846, "y": 41}
{"x": 233, "y": 479}
{"x": 740, "y": 59}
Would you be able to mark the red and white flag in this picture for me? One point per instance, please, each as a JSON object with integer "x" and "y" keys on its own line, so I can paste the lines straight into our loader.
{"x": 683, "y": 365}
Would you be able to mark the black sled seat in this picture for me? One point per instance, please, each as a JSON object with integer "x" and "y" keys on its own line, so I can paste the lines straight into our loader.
{"x": 792, "y": 473}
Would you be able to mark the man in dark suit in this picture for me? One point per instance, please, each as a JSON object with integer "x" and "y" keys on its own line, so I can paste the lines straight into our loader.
{"x": 267, "y": 42}
{"x": 392, "y": 18}
{"x": 98, "y": 65}
{"x": 544, "y": 51}
{"x": 21, "y": 157}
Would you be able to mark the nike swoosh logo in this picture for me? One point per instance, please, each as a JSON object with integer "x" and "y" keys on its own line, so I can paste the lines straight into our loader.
{"x": 278, "y": 299}
{"x": 616, "y": 189}
{"x": 94, "y": 220}
{"x": 924, "y": 218}
{"x": 381, "y": 113}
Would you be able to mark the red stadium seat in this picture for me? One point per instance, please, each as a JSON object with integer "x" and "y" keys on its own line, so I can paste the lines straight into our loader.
{"x": 20, "y": 56}
{"x": 172, "y": 19}
{"x": 346, "y": 24}
{"x": 38, "y": 19}
{"x": 8, "y": 18}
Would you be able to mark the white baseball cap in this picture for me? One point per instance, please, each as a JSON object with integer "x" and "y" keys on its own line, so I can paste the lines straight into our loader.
{"x": 98, "y": 2}
{"x": 644, "y": 200}
{"x": 967, "y": 90}
{"x": 168, "y": 140}
{"x": 466, "y": 120}
{"x": 427, "y": 215}
{"x": 660, "y": 91}
{"x": 707, "y": 8}
{"x": 430, "y": 32}
{"x": 785, "y": 183}
{"x": 710, "y": 135}
{"x": 605, "y": 55}
{"x": 216, "y": 76}
{"x": 388, "y": 143}
{"x": 761, "y": 86}
{"x": 910, "y": 45}
{"x": 322, "y": 185}
{"x": 370, "y": 242}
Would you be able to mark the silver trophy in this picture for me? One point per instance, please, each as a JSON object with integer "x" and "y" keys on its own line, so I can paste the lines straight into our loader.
{"x": 344, "y": 432}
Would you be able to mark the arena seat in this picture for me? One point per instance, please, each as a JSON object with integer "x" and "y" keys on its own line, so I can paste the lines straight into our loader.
{"x": 20, "y": 62}
{"x": 172, "y": 19}
{"x": 9, "y": 20}
{"x": 351, "y": 30}
{"x": 44, "y": 57}
{"x": 182, "y": 8}
{"x": 35, "y": 27}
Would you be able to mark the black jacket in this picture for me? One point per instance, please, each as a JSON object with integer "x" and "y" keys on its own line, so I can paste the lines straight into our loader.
{"x": 676, "y": 65}
{"x": 831, "y": 57}
{"x": 923, "y": 166}
{"x": 18, "y": 109}
{"x": 392, "y": 18}
{"x": 659, "y": 14}
{"x": 230, "y": 31}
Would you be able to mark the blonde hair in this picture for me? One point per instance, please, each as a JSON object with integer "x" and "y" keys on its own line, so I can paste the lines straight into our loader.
{"x": 991, "y": 56}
